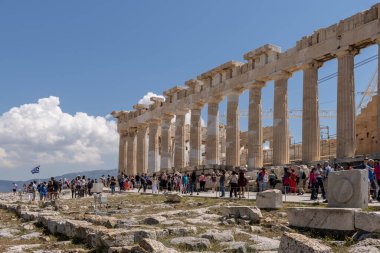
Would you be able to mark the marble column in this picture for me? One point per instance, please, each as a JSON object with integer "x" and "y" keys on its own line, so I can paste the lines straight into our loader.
{"x": 212, "y": 144}
{"x": 123, "y": 152}
{"x": 180, "y": 149}
{"x": 280, "y": 121}
{"x": 195, "y": 137}
{"x": 131, "y": 152}
{"x": 310, "y": 114}
{"x": 255, "y": 131}
{"x": 166, "y": 154}
{"x": 153, "y": 160}
{"x": 346, "y": 120}
{"x": 142, "y": 158}
{"x": 233, "y": 130}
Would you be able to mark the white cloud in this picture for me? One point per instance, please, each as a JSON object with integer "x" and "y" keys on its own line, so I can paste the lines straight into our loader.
{"x": 42, "y": 134}
{"x": 146, "y": 99}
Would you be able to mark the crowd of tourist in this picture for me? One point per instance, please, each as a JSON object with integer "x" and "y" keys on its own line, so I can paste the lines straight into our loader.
{"x": 293, "y": 180}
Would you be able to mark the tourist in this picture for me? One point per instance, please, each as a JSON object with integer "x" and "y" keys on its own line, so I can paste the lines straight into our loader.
{"x": 213, "y": 182}
{"x": 301, "y": 178}
{"x": 90, "y": 184}
{"x": 154, "y": 183}
{"x": 112, "y": 183}
{"x": 108, "y": 181}
{"x": 272, "y": 179}
{"x": 193, "y": 183}
{"x": 14, "y": 188}
{"x": 144, "y": 182}
{"x": 222, "y": 181}
{"x": 202, "y": 182}
{"x": 262, "y": 179}
{"x": 313, "y": 184}
{"x": 319, "y": 174}
{"x": 372, "y": 188}
{"x": 233, "y": 184}
{"x": 164, "y": 182}
{"x": 286, "y": 180}
{"x": 349, "y": 166}
{"x": 137, "y": 180}
{"x": 242, "y": 183}
{"x": 293, "y": 181}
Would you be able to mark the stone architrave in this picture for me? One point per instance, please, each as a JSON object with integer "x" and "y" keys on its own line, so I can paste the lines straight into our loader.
{"x": 195, "y": 137}
{"x": 348, "y": 189}
{"x": 342, "y": 219}
{"x": 123, "y": 152}
{"x": 166, "y": 155}
{"x": 153, "y": 159}
{"x": 346, "y": 118}
{"x": 180, "y": 148}
{"x": 233, "y": 130}
{"x": 255, "y": 131}
{"x": 310, "y": 114}
{"x": 131, "y": 152}
{"x": 142, "y": 158}
{"x": 280, "y": 120}
{"x": 212, "y": 144}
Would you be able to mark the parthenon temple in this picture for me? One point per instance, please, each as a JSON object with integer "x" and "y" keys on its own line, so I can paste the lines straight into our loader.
{"x": 155, "y": 138}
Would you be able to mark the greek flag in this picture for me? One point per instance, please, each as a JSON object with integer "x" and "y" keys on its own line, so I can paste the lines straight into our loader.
{"x": 36, "y": 170}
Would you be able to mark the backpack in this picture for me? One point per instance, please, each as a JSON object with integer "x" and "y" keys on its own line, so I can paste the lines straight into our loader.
{"x": 303, "y": 175}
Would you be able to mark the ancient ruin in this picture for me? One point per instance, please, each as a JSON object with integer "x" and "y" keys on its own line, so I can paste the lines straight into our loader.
{"x": 342, "y": 41}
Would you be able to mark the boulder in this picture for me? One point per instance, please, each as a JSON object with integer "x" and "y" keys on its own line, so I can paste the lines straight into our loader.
{"x": 262, "y": 243}
{"x": 173, "y": 197}
{"x": 292, "y": 242}
{"x": 367, "y": 221}
{"x": 234, "y": 247}
{"x": 30, "y": 236}
{"x": 153, "y": 220}
{"x": 271, "y": 199}
{"x": 244, "y": 212}
{"x": 322, "y": 218}
{"x": 182, "y": 231}
{"x": 348, "y": 189}
{"x": 153, "y": 246}
{"x": 191, "y": 243}
{"x": 215, "y": 235}
{"x": 8, "y": 232}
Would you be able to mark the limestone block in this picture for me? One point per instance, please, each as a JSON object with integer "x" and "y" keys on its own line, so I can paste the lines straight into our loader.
{"x": 348, "y": 189}
{"x": 155, "y": 246}
{"x": 323, "y": 218}
{"x": 191, "y": 243}
{"x": 368, "y": 221}
{"x": 269, "y": 199}
{"x": 245, "y": 212}
{"x": 173, "y": 197}
{"x": 297, "y": 243}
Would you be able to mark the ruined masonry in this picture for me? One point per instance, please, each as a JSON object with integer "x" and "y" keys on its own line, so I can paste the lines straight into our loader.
{"x": 166, "y": 147}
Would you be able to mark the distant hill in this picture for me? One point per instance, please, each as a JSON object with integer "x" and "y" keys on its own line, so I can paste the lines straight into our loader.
{"x": 6, "y": 185}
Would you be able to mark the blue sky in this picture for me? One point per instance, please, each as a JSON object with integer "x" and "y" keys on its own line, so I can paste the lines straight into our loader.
{"x": 100, "y": 56}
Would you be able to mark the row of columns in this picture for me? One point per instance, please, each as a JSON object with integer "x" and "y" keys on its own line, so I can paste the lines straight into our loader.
{"x": 346, "y": 123}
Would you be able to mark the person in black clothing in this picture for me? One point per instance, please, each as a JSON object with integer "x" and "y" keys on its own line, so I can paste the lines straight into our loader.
{"x": 193, "y": 183}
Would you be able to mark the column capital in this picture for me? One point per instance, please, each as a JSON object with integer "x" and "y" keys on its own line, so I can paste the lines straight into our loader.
{"x": 123, "y": 132}
{"x": 142, "y": 126}
{"x": 346, "y": 51}
{"x": 167, "y": 116}
{"x": 257, "y": 84}
{"x": 154, "y": 122}
{"x": 280, "y": 75}
{"x": 312, "y": 65}
{"x": 215, "y": 100}
{"x": 132, "y": 131}
{"x": 197, "y": 106}
{"x": 179, "y": 111}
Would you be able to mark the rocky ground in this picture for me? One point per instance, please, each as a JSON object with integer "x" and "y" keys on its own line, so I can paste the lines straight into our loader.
{"x": 148, "y": 223}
